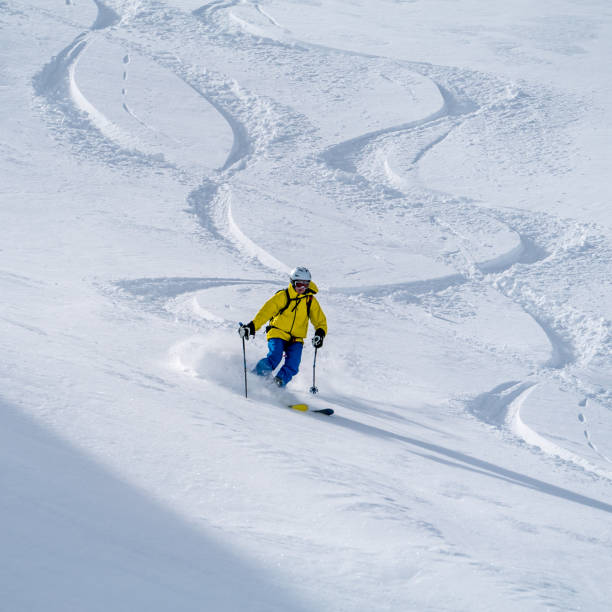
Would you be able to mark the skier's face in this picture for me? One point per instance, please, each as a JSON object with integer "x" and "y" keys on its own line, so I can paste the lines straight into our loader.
{"x": 301, "y": 286}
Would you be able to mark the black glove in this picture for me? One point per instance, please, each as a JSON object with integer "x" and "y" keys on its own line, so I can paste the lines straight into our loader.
{"x": 317, "y": 339}
{"x": 246, "y": 331}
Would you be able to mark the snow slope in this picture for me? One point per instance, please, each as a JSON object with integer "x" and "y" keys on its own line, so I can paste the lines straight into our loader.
{"x": 442, "y": 170}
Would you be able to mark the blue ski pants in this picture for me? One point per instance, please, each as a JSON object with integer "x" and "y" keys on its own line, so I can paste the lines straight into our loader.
{"x": 276, "y": 348}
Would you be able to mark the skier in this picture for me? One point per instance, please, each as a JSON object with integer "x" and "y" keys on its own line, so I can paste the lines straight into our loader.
{"x": 288, "y": 312}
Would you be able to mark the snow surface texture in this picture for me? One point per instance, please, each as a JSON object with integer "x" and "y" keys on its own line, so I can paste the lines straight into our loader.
{"x": 442, "y": 168}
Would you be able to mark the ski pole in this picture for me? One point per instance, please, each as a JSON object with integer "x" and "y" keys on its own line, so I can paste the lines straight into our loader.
{"x": 246, "y": 393}
{"x": 314, "y": 389}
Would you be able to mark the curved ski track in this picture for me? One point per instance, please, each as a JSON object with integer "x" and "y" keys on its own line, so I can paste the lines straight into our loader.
{"x": 355, "y": 173}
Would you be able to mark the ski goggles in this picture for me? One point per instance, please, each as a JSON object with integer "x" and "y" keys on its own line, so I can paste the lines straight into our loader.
{"x": 304, "y": 284}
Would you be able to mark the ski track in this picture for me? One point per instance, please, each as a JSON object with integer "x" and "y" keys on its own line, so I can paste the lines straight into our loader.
{"x": 106, "y": 18}
{"x": 160, "y": 290}
{"x": 501, "y": 408}
{"x": 530, "y": 436}
{"x": 456, "y": 109}
{"x": 263, "y": 128}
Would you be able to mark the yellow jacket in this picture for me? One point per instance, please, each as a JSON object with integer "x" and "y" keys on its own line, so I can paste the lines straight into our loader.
{"x": 289, "y": 320}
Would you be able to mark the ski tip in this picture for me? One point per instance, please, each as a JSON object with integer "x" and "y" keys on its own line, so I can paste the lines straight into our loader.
{"x": 300, "y": 407}
{"x": 327, "y": 411}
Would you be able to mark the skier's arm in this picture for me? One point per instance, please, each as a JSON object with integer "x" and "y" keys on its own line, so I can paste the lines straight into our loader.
{"x": 269, "y": 309}
{"x": 317, "y": 316}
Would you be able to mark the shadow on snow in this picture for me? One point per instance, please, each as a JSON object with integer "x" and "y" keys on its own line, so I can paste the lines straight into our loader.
{"x": 77, "y": 537}
{"x": 463, "y": 461}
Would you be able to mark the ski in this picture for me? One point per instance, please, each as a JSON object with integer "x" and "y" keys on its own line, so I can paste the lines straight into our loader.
{"x": 305, "y": 408}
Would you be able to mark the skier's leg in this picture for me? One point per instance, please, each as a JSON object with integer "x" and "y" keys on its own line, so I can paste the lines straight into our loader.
{"x": 275, "y": 354}
{"x": 291, "y": 366}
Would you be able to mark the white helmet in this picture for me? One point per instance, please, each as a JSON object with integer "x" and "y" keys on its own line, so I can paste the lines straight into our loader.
{"x": 300, "y": 273}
